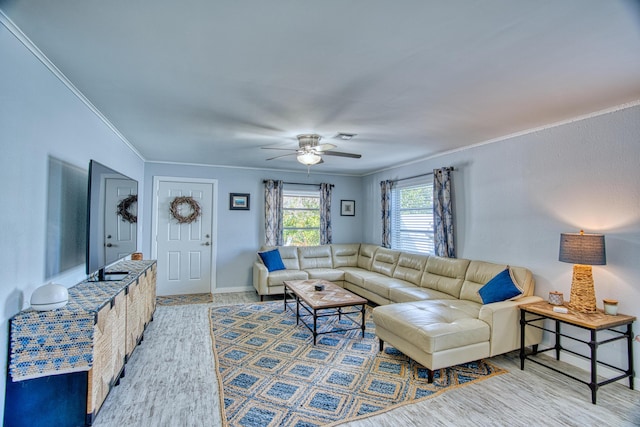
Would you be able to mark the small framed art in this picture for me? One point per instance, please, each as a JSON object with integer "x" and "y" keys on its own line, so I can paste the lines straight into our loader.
{"x": 239, "y": 201}
{"x": 347, "y": 207}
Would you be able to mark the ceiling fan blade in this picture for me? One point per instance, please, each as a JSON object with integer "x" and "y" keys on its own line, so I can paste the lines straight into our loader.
{"x": 325, "y": 147}
{"x": 275, "y": 148}
{"x": 284, "y": 155}
{"x": 340, "y": 154}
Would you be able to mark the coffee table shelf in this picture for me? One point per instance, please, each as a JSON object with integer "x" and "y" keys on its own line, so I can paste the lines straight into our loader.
{"x": 331, "y": 301}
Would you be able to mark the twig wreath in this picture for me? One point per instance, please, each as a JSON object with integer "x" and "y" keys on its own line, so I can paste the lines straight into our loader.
{"x": 124, "y": 209}
{"x": 185, "y": 200}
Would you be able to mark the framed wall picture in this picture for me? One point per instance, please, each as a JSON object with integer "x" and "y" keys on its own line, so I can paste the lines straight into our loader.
{"x": 347, "y": 207}
{"x": 239, "y": 201}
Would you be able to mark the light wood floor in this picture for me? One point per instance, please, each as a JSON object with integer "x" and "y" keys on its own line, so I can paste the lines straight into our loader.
{"x": 171, "y": 381}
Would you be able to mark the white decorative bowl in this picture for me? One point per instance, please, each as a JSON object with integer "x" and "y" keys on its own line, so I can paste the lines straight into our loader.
{"x": 49, "y": 297}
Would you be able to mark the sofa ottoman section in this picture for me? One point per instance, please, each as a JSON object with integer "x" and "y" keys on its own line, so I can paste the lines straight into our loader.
{"x": 436, "y": 333}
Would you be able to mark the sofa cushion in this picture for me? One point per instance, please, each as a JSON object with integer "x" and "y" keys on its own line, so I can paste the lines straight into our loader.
{"x": 384, "y": 261}
{"x": 410, "y": 267}
{"x": 330, "y": 274}
{"x": 478, "y": 274}
{"x": 445, "y": 275}
{"x": 500, "y": 288}
{"x": 345, "y": 255}
{"x": 382, "y": 284}
{"x": 357, "y": 276}
{"x": 277, "y": 277}
{"x": 365, "y": 256}
{"x": 289, "y": 256}
{"x": 272, "y": 260}
{"x": 523, "y": 278}
{"x": 434, "y": 325}
{"x": 315, "y": 257}
{"x": 415, "y": 293}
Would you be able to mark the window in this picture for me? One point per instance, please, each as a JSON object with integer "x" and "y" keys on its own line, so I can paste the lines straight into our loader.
{"x": 301, "y": 218}
{"x": 412, "y": 217}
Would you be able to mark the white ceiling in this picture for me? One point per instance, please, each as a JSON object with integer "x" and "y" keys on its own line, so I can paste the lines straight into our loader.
{"x": 212, "y": 81}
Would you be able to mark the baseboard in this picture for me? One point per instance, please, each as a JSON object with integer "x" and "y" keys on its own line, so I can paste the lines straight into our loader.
{"x": 234, "y": 289}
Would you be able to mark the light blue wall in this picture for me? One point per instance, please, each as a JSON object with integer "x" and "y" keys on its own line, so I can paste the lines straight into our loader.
{"x": 39, "y": 117}
{"x": 241, "y": 233}
{"x": 514, "y": 197}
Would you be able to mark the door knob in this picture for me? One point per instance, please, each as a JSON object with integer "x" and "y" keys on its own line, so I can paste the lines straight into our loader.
{"x": 207, "y": 244}
{"x": 109, "y": 245}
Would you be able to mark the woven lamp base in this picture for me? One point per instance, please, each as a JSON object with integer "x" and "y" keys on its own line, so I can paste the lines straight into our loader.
{"x": 583, "y": 295}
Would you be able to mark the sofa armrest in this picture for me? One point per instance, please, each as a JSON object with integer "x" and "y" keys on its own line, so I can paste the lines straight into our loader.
{"x": 504, "y": 319}
{"x": 260, "y": 276}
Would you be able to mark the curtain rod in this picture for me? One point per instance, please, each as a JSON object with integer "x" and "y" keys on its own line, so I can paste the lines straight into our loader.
{"x": 418, "y": 176}
{"x": 298, "y": 183}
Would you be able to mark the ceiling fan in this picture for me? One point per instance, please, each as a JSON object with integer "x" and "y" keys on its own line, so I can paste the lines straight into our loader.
{"x": 310, "y": 151}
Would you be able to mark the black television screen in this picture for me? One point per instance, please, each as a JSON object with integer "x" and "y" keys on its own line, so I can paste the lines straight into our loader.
{"x": 111, "y": 220}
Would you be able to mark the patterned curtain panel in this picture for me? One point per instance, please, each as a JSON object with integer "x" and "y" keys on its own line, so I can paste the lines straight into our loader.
{"x": 273, "y": 212}
{"x": 325, "y": 214}
{"x": 385, "y": 192}
{"x": 443, "y": 213}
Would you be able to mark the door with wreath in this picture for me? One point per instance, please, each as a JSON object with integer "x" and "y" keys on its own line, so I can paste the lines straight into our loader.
{"x": 120, "y": 230}
{"x": 184, "y": 235}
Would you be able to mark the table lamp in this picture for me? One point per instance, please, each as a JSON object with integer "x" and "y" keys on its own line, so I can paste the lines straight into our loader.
{"x": 583, "y": 251}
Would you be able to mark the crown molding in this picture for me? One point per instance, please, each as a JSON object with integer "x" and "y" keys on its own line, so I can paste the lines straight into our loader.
{"x": 515, "y": 135}
{"x": 22, "y": 38}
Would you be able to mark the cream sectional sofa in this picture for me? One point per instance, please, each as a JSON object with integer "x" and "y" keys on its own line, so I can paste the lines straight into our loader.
{"x": 428, "y": 307}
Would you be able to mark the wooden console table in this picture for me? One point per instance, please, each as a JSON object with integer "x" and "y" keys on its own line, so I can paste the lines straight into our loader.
{"x": 593, "y": 322}
{"x": 64, "y": 362}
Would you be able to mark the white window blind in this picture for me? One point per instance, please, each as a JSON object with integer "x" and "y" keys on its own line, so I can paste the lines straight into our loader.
{"x": 412, "y": 216}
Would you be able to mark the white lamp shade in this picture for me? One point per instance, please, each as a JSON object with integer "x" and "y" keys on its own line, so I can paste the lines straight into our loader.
{"x": 49, "y": 297}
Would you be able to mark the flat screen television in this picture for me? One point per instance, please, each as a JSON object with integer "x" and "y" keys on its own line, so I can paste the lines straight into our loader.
{"x": 112, "y": 231}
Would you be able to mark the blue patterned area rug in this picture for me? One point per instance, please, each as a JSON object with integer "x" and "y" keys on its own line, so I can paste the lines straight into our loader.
{"x": 271, "y": 374}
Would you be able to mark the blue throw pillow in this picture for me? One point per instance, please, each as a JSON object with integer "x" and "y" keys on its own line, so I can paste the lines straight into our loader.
{"x": 500, "y": 288}
{"x": 272, "y": 260}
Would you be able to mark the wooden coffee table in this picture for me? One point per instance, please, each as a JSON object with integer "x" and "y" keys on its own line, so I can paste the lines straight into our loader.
{"x": 331, "y": 301}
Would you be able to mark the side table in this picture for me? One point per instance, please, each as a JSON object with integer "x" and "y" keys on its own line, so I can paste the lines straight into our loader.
{"x": 593, "y": 322}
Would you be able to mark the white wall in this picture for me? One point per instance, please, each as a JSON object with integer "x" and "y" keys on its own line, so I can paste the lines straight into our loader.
{"x": 241, "y": 233}
{"x": 514, "y": 197}
{"x": 40, "y": 117}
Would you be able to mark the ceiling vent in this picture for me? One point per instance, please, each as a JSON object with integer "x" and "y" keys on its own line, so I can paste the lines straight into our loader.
{"x": 345, "y": 136}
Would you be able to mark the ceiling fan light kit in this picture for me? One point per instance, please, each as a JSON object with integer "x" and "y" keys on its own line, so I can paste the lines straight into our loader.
{"x": 309, "y": 158}
{"x": 310, "y": 151}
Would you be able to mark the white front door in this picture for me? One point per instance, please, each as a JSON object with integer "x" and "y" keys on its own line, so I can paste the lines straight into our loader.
{"x": 185, "y": 252}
